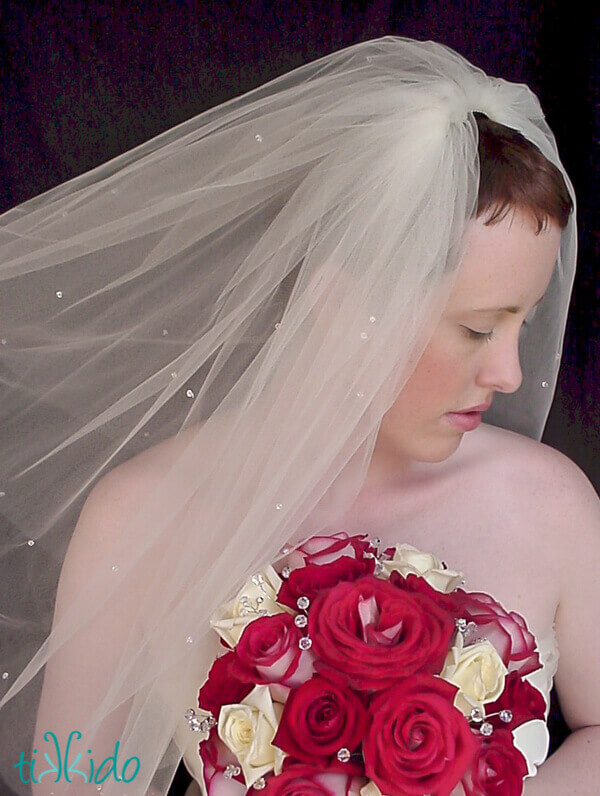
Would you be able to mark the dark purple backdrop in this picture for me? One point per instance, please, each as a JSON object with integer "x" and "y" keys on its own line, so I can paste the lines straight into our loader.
{"x": 84, "y": 81}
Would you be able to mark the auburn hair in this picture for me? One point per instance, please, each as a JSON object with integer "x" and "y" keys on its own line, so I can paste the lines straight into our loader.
{"x": 515, "y": 175}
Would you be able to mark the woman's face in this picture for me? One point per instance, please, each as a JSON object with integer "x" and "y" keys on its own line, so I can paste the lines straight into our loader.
{"x": 474, "y": 351}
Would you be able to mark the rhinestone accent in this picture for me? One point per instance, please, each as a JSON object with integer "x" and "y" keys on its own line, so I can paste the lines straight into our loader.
{"x": 286, "y": 572}
{"x": 232, "y": 771}
{"x": 195, "y": 725}
{"x": 260, "y": 783}
{"x": 258, "y": 138}
{"x": 5, "y": 675}
{"x": 360, "y": 395}
{"x": 343, "y": 755}
{"x": 476, "y": 715}
{"x": 303, "y": 603}
{"x": 461, "y": 625}
{"x": 59, "y": 294}
{"x": 372, "y": 319}
{"x": 278, "y": 506}
{"x": 375, "y": 541}
{"x": 115, "y": 568}
{"x": 506, "y": 716}
{"x": 305, "y": 643}
{"x": 190, "y": 393}
{"x": 189, "y": 713}
{"x": 277, "y": 325}
{"x": 189, "y": 640}
{"x": 301, "y": 620}
{"x": 545, "y": 384}
{"x": 173, "y": 374}
{"x": 486, "y": 728}
{"x": 378, "y": 567}
{"x": 364, "y": 336}
{"x": 2, "y": 494}
{"x": 3, "y": 341}
{"x": 165, "y": 332}
{"x": 31, "y": 542}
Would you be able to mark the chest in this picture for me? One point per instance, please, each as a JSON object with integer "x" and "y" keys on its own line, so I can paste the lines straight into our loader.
{"x": 478, "y": 531}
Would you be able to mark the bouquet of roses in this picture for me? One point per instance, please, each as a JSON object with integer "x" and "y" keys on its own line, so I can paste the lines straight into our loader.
{"x": 354, "y": 672}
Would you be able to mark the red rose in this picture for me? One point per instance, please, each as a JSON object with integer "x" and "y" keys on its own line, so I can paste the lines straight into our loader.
{"x": 268, "y": 652}
{"x": 523, "y": 700}
{"x": 309, "y": 580}
{"x": 223, "y": 687}
{"x": 414, "y": 583}
{"x": 325, "y": 549}
{"x": 507, "y": 631}
{"x": 377, "y": 634}
{"x": 319, "y": 719}
{"x": 215, "y": 758}
{"x": 418, "y": 742}
{"x": 498, "y": 768}
{"x": 303, "y": 780}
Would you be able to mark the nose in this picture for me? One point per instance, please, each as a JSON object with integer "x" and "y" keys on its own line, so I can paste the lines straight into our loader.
{"x": 500, "y": 369}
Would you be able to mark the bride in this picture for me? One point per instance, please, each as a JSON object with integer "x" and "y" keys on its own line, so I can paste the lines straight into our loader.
{"x": 284, "y": 318}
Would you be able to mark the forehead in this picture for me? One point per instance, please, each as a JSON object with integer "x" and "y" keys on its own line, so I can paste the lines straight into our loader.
{"x": 505, "y": 264}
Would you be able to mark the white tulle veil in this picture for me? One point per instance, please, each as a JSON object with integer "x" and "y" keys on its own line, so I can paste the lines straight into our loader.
{"x": 249, "y": 292}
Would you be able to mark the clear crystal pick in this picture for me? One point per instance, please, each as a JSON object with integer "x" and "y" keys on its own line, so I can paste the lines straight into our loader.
{"x": 189, "y": 713}
{"x": 303, "y": 603}
{"x": 486, "y": 728}
{"x": 286, "y": 572}
{"x": 506, "y": 716}
{"x": 305, "y": 643}
{"x": 208, "y": 723}
{"x": 461, "y": 625}
{"x": 232, "y": 771}
{"x": 301, "y": 620}
{"x": 476, "y": 715}
{"x": 195, "y": 724}
{"x": 343, "y": 755}
{"x": 260, "y": 783}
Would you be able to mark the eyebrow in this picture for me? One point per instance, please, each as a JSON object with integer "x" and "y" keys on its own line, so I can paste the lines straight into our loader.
{"x": 512, "y": 310}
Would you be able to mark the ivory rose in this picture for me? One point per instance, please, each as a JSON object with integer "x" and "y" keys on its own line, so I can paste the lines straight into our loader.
{"x": 259, "y": 594}
{"x": 407, "y": 560}
{"x": 248, "y": 729}
{"x": 478, "y": 672}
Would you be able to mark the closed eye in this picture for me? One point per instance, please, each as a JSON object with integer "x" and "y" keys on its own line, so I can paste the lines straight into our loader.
{"x": 473, "y": 334}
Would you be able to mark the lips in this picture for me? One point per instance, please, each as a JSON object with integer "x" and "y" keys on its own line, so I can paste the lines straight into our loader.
{"x": 478, "y": 408}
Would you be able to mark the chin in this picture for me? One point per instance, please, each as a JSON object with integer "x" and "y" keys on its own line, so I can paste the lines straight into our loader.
{"x": 439, "y": 450}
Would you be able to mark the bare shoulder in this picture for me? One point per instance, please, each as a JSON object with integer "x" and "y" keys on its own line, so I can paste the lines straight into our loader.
{"x": 118, "y": 494}
{"x": 541, "y": 480}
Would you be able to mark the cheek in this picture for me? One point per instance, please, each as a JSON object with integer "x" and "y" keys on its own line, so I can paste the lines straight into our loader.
{"x": 436, "y": 378}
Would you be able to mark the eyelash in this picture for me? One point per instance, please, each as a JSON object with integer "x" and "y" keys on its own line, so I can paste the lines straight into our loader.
{"x": 473, "y": 335}
{"x": 487, "y": 336}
